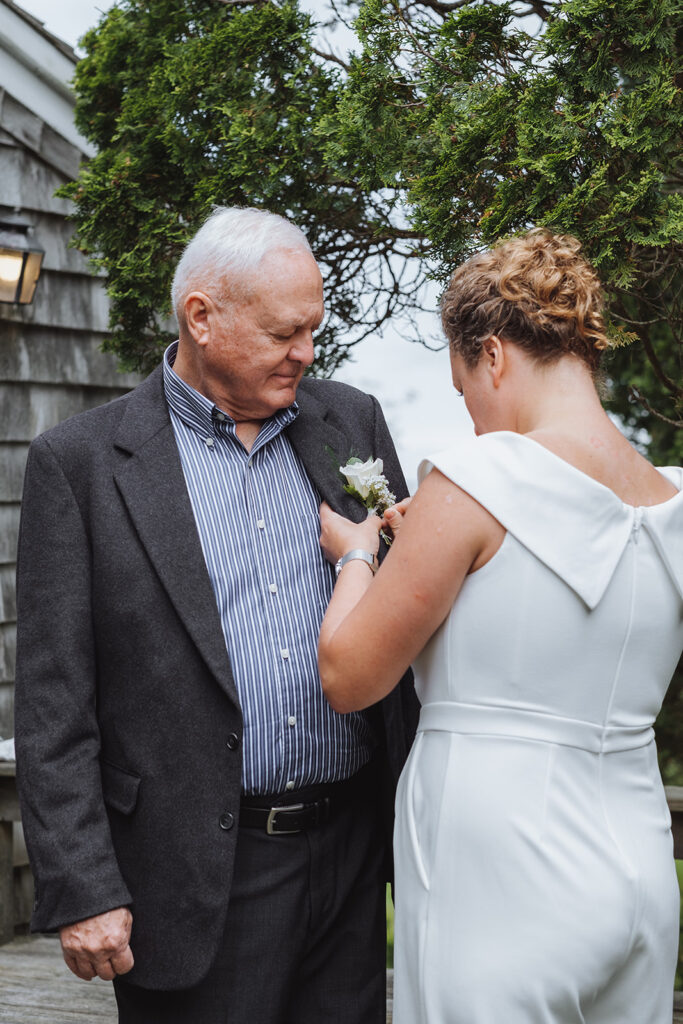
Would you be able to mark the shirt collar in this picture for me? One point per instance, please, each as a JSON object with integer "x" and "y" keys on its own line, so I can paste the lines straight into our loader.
{"x": 205, "y": 418}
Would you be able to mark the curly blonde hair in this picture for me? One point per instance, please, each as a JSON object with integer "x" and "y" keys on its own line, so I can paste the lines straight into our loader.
{"x": 535, "y": 290}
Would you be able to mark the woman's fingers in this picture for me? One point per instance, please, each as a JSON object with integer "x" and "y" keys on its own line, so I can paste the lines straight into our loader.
{"x": 393, "y": 517}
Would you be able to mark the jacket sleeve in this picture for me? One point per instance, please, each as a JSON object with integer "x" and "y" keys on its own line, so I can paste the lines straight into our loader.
{"x": 57, "y": 738}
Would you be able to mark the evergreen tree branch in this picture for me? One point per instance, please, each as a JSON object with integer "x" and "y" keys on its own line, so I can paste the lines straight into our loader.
{"x": 320, "y": 53}
{"x": 543, "y": 10}
{"x": 443, "y": 7}
{"x": 670, "y": 385}
{"x": 636, "y": 395}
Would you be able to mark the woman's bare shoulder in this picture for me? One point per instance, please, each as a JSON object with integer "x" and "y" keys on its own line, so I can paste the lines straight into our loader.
{"x": 610, "y": 459}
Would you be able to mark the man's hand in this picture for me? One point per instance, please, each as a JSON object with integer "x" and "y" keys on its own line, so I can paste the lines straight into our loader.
{"x": 99, "y": 945}
{"x": 339, "y": 535}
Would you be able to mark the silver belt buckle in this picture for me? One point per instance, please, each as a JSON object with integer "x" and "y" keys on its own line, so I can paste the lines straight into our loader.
{"x": 282, "y": 831}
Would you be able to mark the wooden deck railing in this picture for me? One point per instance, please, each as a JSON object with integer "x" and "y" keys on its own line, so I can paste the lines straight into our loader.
{"x": 674, "y": 798}
{"x": 9, "y": 814}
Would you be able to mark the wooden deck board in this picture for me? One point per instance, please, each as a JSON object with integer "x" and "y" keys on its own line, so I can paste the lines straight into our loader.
{"x": 36, "y": 987}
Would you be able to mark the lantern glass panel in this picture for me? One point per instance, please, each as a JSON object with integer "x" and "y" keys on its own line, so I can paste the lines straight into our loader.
{"x": 11, "y": 267}
{"x": 34, "y": 262}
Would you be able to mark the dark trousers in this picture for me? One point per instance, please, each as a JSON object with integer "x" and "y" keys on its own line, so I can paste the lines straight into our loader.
{"x": 305, "y": 938}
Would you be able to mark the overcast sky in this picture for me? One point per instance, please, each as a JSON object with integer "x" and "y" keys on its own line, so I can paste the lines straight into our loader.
{"x": 412, "y": 383}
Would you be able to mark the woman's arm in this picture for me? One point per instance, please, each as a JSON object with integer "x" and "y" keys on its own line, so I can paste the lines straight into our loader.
{"x": 374, "y": 627}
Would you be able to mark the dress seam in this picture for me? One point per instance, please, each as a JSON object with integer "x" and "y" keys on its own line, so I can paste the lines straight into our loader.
{"x": 423, "y": 986}
{"x": 631, "y": 871}
{"x": 630, "y": 867}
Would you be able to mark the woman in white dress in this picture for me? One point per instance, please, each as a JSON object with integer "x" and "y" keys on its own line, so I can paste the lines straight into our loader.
{"x": 536, "y": 584}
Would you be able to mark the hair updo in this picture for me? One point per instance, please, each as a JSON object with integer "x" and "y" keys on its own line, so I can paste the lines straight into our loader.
{"x": 535, "y": 290}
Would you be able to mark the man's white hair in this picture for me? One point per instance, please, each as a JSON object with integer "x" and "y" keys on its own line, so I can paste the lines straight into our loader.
{"x": 231, "y": 243}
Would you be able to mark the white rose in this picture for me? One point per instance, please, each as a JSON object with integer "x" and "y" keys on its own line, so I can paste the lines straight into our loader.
{"x": 361, "y": 475}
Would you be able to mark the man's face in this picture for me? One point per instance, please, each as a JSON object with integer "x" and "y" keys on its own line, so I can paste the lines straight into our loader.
{"x": 257, "y": 349}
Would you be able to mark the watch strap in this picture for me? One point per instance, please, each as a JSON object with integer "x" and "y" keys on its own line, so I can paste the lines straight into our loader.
{"x": 360, "y": 555}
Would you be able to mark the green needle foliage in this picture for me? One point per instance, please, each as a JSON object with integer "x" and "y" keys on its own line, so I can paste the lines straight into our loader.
{"x": 570, "y": 117}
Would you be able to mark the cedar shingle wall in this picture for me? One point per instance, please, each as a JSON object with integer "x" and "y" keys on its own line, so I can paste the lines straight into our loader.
{"x": 51, "y": 365}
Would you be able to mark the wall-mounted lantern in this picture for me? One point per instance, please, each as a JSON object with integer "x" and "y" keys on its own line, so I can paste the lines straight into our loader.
{"x": 20, "y": 260}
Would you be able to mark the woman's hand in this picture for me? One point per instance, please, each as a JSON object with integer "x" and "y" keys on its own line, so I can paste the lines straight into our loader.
{"x": 393, "y": 517}
{"x": 339, "y": 535}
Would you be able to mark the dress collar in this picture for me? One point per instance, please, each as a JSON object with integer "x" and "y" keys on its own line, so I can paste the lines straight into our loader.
{"x": 574, "y": 524}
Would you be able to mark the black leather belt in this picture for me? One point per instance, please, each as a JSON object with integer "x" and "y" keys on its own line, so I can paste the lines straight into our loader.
{"x": 281, "y": 814}
{"x": 288, "y": 819}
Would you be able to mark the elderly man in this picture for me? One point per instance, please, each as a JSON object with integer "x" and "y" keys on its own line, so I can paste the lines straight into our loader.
{"x": 203, "y": 828}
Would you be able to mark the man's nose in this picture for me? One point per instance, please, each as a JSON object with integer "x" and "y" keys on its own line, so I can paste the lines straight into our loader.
{"x": 302, "y": 351}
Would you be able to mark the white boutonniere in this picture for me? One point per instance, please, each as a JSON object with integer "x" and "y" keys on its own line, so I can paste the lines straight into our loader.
{"x": 368, "y": 485}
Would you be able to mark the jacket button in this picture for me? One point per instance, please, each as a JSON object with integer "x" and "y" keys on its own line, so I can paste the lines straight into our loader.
{"x": 233, "y": 741}
{"x": 226, "y": 821}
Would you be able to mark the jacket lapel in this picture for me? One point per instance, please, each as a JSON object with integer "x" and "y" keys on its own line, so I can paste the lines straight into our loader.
{"x": 152, "y": 485}
{"x": 323, "y": 448}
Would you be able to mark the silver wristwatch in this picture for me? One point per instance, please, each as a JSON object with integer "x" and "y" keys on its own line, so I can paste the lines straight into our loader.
{"x": 363, "y": 556}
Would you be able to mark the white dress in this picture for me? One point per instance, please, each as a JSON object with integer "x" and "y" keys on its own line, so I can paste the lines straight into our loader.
{"x": 535, "y": 881}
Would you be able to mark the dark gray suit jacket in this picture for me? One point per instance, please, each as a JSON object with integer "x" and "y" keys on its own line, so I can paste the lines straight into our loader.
{"x": 126, "y": 708}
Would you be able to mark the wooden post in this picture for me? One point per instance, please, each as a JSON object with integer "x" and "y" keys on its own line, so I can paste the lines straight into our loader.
{"x": 674, "y": 798}
{"x": 6, "y": 883}
{"x": 6, "y": 859}
{"x": 9, "y": 813}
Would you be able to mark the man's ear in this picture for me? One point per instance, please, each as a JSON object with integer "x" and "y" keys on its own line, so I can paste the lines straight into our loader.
{"x": 197, "y": 309}
{"x": 493, "y": 353}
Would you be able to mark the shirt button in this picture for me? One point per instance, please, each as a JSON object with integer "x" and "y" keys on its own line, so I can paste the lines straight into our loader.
{"x": 261, "y": 523}
{"x": 291, "y": 720}
{"x": 272, "y": 587}
{"x": 290, "y": 785}
{"x": 226, "y": 821}
{"x": 233, "y": 741}
{"x": 285, "y": 653}
{"x": 220, "y": 417}
{"x": 209, "y": 442}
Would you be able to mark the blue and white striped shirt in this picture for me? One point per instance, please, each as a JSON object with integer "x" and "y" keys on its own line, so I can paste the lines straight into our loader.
{"x": 258, "y": 523}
